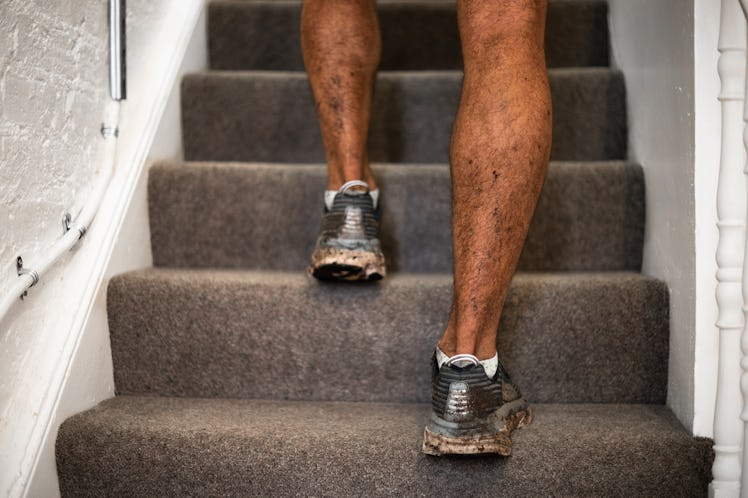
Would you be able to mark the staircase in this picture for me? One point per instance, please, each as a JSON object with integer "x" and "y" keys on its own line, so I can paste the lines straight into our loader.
{"x": 236, "y": 374}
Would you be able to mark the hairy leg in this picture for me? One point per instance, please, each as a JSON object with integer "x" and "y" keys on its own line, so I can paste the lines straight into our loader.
{"x": 341, "y": 46}
{"x": 499, "y": 155}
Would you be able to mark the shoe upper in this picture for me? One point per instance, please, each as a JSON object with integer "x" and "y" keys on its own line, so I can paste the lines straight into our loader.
{"x": 471, "y": 412}
{"x": 352, "y": 223}
{"x": 466, "y": 393}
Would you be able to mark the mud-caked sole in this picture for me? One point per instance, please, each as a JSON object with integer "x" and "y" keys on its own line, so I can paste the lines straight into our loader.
{"x": 439, "y": 444}
{"x": 339, "y": 264}
{"x": 498, "y": 443}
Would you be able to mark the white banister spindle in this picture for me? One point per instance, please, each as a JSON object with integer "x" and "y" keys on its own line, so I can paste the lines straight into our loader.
{"x": 731, "y": 212}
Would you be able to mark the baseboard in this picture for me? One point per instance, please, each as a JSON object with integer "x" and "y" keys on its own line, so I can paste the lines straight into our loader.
{"x": 82, "y": 373}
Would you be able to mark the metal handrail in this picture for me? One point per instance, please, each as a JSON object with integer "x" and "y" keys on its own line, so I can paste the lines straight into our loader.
{"x": 77, "y": 228}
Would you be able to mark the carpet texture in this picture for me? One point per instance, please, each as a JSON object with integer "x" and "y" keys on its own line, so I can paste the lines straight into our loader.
{"x": 415, "y": 35}
{"x": 238, "y": 375}
{"x": 266, "y": 216}
{"x": 269, "y": 116}
{"x": 135, "y": 446}
{"x": 565, "y": 337}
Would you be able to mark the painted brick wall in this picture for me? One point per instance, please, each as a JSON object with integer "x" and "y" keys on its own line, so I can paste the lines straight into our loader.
{"x": 53, "y": 89}
{"x": 53, "y": 77}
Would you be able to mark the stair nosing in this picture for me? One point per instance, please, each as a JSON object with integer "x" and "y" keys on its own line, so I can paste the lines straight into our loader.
{"x": 159, "y": 271}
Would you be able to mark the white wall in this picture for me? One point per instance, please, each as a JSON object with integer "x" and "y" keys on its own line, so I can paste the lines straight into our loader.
{"x": 54, "y": 346}
{"x": 667, "y": 51}
{"x": 707, "y": 152}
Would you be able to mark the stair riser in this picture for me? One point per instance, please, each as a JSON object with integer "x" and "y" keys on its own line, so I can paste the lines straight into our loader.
{"x": 414, "y": 36}
{"x": 590, "y": 217}
{"x": 209, "y": 334}
{"x": 270, "y": 117}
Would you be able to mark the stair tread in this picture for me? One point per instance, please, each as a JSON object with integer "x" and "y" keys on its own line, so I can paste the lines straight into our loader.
{"x": 269, "y": 116}
{"x": 590, "y": 216}
{"x": 153, "y": 445}
{"x": 415, "y": 34}
{"x": 234, "y": 333}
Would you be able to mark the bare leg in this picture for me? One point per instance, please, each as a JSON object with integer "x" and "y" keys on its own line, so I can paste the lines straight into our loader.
{"x": 499, "y": 156}
{"x": 341, "y": 46}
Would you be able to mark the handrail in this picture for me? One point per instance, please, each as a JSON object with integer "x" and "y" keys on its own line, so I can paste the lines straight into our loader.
{"x": 75, "y": 230}
{"x": 29, "y": 276}
{"x": 117, "y": 59}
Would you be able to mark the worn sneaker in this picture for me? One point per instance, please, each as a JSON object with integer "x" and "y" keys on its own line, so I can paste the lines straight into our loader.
{"x": 472, "y": 413}
{"x": 348, "y": 245}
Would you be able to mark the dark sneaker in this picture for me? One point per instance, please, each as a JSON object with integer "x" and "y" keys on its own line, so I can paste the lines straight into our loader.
{"x": 348, "y": 245}
{"x": 472, "y": 413}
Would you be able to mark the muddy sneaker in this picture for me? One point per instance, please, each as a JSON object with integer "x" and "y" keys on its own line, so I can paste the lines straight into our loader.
{"x": 472, "y": 413}
{"x": 348, "y": 245}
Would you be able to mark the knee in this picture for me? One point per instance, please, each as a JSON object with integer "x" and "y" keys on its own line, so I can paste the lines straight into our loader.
{"x": 486, "y": 24}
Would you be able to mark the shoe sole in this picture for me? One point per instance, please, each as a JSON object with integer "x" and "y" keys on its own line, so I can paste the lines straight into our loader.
{"x": 345, "y": 265}
{"x": 499, "y": 443}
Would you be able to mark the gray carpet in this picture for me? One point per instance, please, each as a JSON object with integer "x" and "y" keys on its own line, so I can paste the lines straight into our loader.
{"x": 412, "y": 116}
{"x": 265, "y": 216}
{"x": 415, "y": 35}
{"x": 286, "y": 336}
{"x": 135, "y": 446}
{"x": 238, "y": 375}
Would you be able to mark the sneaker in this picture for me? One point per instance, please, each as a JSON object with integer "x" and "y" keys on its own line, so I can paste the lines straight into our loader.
{"x": 348, "y": 245}
{"x": 472, "y": 413}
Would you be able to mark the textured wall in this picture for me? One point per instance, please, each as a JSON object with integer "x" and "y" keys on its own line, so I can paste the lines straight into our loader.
{"x": 53, "y": 76}
{"x": 53, "y": 88}
{"x": 53, "y": 83}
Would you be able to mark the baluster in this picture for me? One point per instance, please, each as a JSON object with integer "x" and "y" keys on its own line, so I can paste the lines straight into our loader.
{"x": 731, "y": 212}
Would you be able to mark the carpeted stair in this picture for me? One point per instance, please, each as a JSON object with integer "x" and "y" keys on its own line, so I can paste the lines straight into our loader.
{"x": 236, "y": 374}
